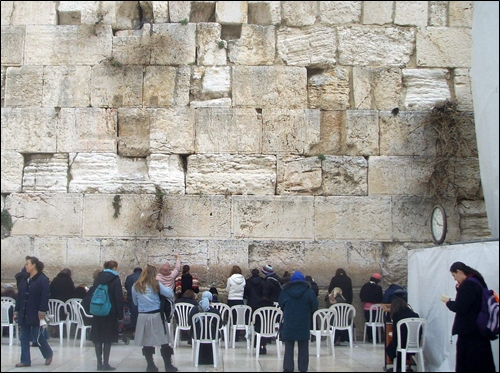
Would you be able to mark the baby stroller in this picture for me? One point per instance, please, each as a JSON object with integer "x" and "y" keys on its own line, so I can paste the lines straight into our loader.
{"x": 122, "y": 325}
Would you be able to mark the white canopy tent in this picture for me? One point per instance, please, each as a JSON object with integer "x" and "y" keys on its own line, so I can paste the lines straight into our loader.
{"x": 428, "y": 277}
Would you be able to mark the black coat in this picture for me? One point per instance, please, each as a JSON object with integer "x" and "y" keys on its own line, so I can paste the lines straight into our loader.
{"x": 466, "y": 306}
{"x": 271, "y": 287}
{"x": 129, "y": 282}
{"x": 404, "y": 313}
{"x": 253, "y": 291}
{"x": 33, "y": 297}
{"x": 62, "y": 287}
{"x": 371, "y": 293}
{"x": 343, "y": 282}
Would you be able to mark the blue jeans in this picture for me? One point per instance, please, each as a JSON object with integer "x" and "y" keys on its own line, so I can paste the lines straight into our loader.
{"x": 302, "y": 358}
{"x": 40, "y": 336}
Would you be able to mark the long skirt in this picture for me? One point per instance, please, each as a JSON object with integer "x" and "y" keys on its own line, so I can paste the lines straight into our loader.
{"x": 150, "y": 330}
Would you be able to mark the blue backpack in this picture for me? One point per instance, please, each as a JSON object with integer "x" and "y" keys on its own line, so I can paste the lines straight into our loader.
{"x": 100, "y": 304}
{"x": 487, "y": 319}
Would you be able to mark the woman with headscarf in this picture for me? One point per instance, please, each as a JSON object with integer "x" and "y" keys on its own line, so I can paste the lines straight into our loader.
{"x": 206, "y": 352}
{"x": 342, "y": 281}
{"x": 167, "y": 275}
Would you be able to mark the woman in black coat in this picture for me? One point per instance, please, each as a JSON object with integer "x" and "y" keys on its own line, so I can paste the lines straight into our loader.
{"x": 104, "y": 329}
{"x": 474, "y": 352}
{"x": 341, "y": 280}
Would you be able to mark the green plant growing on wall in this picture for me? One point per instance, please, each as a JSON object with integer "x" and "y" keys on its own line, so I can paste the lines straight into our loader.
{"x": 117, "y": 205}
{"x": 321, "y": 157}
{"x": 159, "y": 207}
{"x": 221, "y": 44}
{"x": 6, "y": 223}
{"x": 184, "y": 21}
{"x": 114, "y": 62}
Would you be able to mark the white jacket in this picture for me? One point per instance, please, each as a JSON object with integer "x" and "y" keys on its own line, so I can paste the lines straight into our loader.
{"x": 235, "y": 287}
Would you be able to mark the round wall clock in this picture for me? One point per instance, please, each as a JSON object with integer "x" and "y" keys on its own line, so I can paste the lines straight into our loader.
{"x": 438, "y": 224}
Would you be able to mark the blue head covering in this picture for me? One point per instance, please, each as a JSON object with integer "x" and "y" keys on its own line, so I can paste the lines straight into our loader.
{"x": 208, "y": 295}
{"x": 297, "y": 276}
{"x": 204, "y": 304}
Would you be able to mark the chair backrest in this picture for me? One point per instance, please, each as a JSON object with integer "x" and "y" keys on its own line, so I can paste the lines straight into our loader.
{"x": 321, "y": 321}
{"x": 8, "y": 300}
{"x": 182, "y": 314}
{"x": 342, "y": 315}
{"x": 5, "y": 312}
{"x": 80, "y": 313}
{"x": 376, "y": 314}
{"x": 415, "y": 336}
{"x": 206, "y": 326}
{"x": 71, "y": 309}
{"x": 269, "y": 318}
{"x": 224, "y": 311}
{"x": 240, "y": 315}
{"x": 55, "y": 307}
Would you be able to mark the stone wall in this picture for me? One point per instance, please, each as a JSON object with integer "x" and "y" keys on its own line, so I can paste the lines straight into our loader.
{"x": 284, "y": 133}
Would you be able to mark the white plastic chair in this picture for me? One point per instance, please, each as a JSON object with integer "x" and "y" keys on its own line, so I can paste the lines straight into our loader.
{"x": 376, "y": 322}
{"x": 71, "y": 318}
{"x": 415, "y": 339}
{"x": 7, "y": 304}
{"x": 206, "y": 327}
{"x": 241, "y": 317}
{"x": 343, "y": 319}
{"x": 269, "y": 320}
{"x": 224, "y": 311}
{"x": 321, "y": 327}
{"x": 80, "y": 313}
{"x": 182, "y": 317}
{"x": 55, "y": 307}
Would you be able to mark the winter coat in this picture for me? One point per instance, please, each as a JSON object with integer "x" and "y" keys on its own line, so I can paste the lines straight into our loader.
{"x": 252, "y": 292}
{"x": 271, "y": 287}
{"x": 344, "y": 282}
{"x": 32, "y": 298}
{"x": 189, "y": 282}
{"x": 390, "y": 292}
{"x": 401, "y": 314}
{"x": 62, "y": 287}
{"x": 466, "y": 306}
{"x": 129, "y": 282}
{"x": 298, "y": 303}
{"x": 370, "y": 293}
{"x": 235, "y": 286}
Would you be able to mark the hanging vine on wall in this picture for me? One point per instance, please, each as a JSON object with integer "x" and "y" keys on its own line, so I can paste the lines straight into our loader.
{"x": 159, "y": 207}
{"x": 445, "y": 121}
{"x": 6, "y": 223}
{"x": 117, "y": 205}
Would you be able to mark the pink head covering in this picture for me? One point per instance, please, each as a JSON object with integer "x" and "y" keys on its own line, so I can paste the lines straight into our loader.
{"x": 165, "y": 269}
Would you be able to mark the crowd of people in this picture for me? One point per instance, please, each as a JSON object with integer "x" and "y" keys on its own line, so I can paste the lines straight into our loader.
{"x": 296, "y": 295}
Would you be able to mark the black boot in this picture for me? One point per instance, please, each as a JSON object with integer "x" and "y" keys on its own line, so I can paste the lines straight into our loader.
{"x": 105, "y": 357}
{"x": 98, "y": 354}
{"x": 148, "y": 352}
{"x": 166, "y": 354}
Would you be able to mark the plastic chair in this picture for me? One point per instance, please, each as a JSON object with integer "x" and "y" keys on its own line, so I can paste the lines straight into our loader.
{"x": 71, "y": 318}
{"x": 206, "y": 327}
{"x": 182, "y": 317}
{"x": 9, "y": 303}
{"x": 240, "y": 316}
{"x": 376, "y": 322}
{"x": 415, "y": 339}
{"x": 55, "y": 307}
{"x": 269, "y": 318}
{"x": 79, "y": 313}
{"x": 321, "y": 327}
{"x": 343, "y": 319}
{"x": 224, "y": 311}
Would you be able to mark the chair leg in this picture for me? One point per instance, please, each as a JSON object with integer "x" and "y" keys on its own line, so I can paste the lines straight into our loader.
{"x": 215, "y": 353}
{"x": 318, "y": 344}
{"x": 257, "y": 348}
{"x": 374, "y": 335}
{"x": 61, "y": 333}
{"x": 403, "y": 360}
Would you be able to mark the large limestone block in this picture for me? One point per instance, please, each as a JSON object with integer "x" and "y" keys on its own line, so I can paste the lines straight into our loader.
{"x": 473, "y": 220}
{"x": 84, "y": 257}
{"x": 353, "y": 218}
{"x": 134, "y": 48}
{"x": 329, "y": 89}
{"x": 393, "y": 175}
{"x": 209, "y": 83}
{"x": 463, "y": 90}
{"x": 377, "y": 12}
{"x": 14, "y": 250}
{"x": 177, "y": 11}
{"x": 53, "y": 214}
{"x": 362, "y": 132}
{"x": 167, "y": 172}
{"x": 67, "y": 45}
{"x": 290, "y": 131}
{"x": 273, "y": 217}
{"x": 344, "y": 176}
{"x": 339, "y": 12}
{"x": 87, "y": 12}
{"x": 24, "y": 86}
{"x": 438, "y": 13}
{"x": 410, "y": 220}
{"x": 208, "y": 52}
{"x": 12, "y": 44}
{"x": 29, "y": 130}
{"x": 230, "y": 174}
{"x": 228, "y": 130}
{"x": 298, "y": 175}
{"x": 467, "y": 178}
{"x": 425, "y": 88}
{"x": 33, "y": 13}
{"x": 66, "y": 86}
{"x": 377, "y": 88}
{"x": 407, "y": 133}
{"x": 46, "y": 173}
{"x": 444, "y": 47}
{"x": 222, "y": 255}
{"x": 374, "y": 46}
{"x": 116, "y": 86}
{"x": 198, "y": 217}
{"x": 282, "y": 255}
{"x": 12, "y": 171}
{"x": 461, "y": 13}
{"x": 134, "y": 129}
{"x": 173, "y": 44}
{"x": 231, "y": 12}
{"x": 87, "y": 130}
{"x": 264, "y": 13}
{"x": 310, "y": 47}
{"x": 256, "y": 46}
{"x": 53, "y": 252}
{"x": 160, "y": 86}
{"x": 411, "y": 13}
{"x": 172, "y": 130}
{"x": 331, "y": 134}
{"x": 269, "y": 86}
{"x": 299, "y": 13}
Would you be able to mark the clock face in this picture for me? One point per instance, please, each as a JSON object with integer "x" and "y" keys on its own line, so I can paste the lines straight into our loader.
{"x": 438, "y": 224}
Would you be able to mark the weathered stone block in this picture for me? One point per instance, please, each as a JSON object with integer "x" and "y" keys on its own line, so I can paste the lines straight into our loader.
{"x": 208, "y": 36}
{"x": 210, "y": 82}
{"x": 39, "y": 214}
{"x": 173, "y": 44}
{"x": 425, "y": 88}
{"x": 256, "y": 46}
{"x": 331, "y": 134}
{"x": 438, "y": 13}
{"x": 14, "y": 251}
{"x": 344, "y": 176}
{"x": 46, "y": 173}
{"x": 264, "y": 12}
{"x": 329, "y": 90}
{"x": 33, "y": 13}
{"x": 230, "y": 174}
{"x": 116, "y": 86}
{"x": 66, "y": 86}
{"x": 411, "y": 13}
{"x": 443, "y": 47}
{"x": 276, "y": 217}
{"x": 12, "y": 171}
{"x": 87, "y": 130}
{"x": 133, "y": 49}
{"x": 338, "y": 12}
{"x": 463, "y": 90}
{"x": 461, "y": 13}
{"x": 362, "y": 132}
{"x": 167, "y": 172}
{"x": 134, "y": 129}
{"x": 377, "y": 12}
{"x": 172, "y": 130}
{"x": 177, "y": 11}
{"x": 23, "y": 86}
{"x": 231, "y": 12}
{"x": 298, "y": 175}
{"x": 298, "y": 13}
{"x": 12, "y": 44}
{"x": 84, "y": 257}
